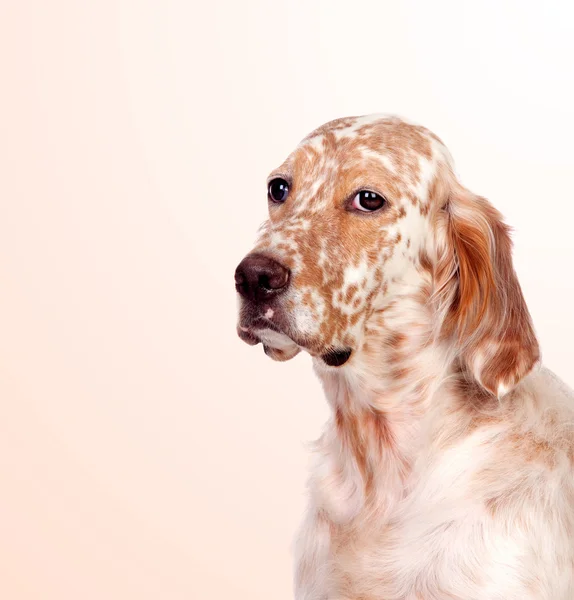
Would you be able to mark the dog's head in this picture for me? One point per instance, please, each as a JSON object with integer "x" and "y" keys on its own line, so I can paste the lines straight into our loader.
{"x": 364, "y": 212}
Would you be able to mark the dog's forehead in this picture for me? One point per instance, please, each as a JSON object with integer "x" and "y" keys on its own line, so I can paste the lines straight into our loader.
{"x": 351, "y": 149}
{"x": 385, "y": 153}
{"x": 372, "y": 128}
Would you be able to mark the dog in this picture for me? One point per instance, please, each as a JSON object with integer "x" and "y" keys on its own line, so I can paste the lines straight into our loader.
{"x": 446, "y": 468}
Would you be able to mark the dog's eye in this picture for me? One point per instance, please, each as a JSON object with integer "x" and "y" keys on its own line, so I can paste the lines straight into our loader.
{"x": 278, "y": 190}
{"x": 368, "y": 201}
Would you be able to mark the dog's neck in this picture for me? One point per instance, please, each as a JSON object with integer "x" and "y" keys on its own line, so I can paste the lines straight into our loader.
{"x": 383, "y": 397}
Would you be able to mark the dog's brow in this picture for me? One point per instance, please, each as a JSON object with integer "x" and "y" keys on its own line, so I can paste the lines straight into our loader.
{"x": 284, "y": 173}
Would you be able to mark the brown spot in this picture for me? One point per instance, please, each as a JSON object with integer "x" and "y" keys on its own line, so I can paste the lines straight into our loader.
{"x": 365, "y": 433}
{"x": 396, "y": 340}
{"x": 425, "y": 261}
{"x": 401, "y": 373}
{"x": 351, "y": 291}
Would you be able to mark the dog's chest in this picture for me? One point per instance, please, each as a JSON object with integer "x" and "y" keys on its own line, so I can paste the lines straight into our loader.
{"x": 373, "y": 560}
{"x": 402, "y": 530}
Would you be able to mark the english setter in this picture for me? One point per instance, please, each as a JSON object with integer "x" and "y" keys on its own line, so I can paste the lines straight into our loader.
{"x": 446, "y": 468}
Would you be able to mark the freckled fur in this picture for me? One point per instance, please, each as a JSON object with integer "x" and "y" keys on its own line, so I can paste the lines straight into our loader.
{"x": 446, "y": 468}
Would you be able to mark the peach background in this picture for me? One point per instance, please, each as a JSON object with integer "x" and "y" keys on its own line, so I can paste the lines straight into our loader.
{"x": 144, "y": 451}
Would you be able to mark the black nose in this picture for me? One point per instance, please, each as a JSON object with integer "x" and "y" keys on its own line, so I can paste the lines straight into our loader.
{"x": 259, "y": 277}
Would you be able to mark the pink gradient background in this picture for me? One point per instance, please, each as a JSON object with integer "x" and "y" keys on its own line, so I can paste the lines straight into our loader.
{"x": 145, "y": 452}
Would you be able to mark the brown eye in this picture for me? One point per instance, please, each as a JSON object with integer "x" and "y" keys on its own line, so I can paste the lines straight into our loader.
{"x": 278, "y": 190}
{"x": 368, "y": 201}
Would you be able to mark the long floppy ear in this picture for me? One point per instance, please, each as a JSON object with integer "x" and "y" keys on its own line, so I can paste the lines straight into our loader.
{"x": 481, "y": 301}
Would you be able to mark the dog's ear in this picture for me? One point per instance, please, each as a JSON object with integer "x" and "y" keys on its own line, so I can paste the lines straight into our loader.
{"x": 481, "y": 303}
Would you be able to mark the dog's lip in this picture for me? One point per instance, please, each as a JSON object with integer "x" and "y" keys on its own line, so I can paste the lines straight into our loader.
{"x": 251, "y": 328}
{"x": 247, "y": 335}
{"x": 260, "y": 323}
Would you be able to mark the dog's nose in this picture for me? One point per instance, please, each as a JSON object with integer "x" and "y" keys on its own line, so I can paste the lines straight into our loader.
{"x": 259, "y": 277}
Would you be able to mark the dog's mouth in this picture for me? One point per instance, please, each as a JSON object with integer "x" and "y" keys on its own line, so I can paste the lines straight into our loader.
{"x": 276, "y": 344}
{"x": 267, "y": 327}
{"x": 280, "y": 344}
